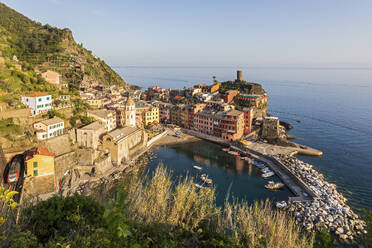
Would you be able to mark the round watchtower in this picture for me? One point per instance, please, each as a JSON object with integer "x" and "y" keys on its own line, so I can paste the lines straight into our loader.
{"x": 239, "y": 75}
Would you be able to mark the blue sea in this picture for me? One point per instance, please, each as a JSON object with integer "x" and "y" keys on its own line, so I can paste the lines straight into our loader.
{"x": 333, "y": 105}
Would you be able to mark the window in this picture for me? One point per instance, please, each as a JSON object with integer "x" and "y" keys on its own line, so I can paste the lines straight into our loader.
{"x": 39, "y": 99}
{"x": 35, "y": 164}
{"x": 35, "y": 173}
{"x": 47, "y": 98}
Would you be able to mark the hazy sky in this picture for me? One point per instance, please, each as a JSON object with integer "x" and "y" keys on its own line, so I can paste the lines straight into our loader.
{"x": 324, "y": 33}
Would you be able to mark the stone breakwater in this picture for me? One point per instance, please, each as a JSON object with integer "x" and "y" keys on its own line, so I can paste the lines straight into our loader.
{"x": 327, "y": 210}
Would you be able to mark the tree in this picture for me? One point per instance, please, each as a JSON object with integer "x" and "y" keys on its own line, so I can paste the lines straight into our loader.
{"x": 324, "y": 240}
{"x": 368, "y": 220}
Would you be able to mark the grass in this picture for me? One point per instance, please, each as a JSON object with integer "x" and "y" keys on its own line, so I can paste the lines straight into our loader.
{"x": 159, "y": 200}
{"x": 7, "y": 127}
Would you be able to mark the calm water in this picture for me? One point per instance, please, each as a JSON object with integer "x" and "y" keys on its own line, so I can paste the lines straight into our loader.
{"x": 225, "y": 170}
{"x": 334, "y": 106}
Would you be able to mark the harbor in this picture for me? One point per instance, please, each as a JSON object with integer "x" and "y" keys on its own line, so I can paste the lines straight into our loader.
{"x": 316, "y": 204}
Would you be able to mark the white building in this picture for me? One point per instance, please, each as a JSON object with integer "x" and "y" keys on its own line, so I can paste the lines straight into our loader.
{"x": 37, "y": 102}
{"x": 50, "y": 128}
{"x": 106, "y": 117}
{"x": 130, "y": 112}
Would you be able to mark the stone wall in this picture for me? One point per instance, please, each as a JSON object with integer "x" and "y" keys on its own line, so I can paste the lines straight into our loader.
{"x": 58, "y": 145}
{"x": 63, "y": 163}
{"x": 16, "y": 113}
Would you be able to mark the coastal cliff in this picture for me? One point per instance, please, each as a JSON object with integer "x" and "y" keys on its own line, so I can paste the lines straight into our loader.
{"x": 31, "y": 46}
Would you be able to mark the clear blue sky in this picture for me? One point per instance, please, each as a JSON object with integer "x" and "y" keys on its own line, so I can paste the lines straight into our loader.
{"x": 319, "y": 33}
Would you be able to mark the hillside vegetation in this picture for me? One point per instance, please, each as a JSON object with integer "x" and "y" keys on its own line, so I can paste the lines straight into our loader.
{"x": 42, "y": 47}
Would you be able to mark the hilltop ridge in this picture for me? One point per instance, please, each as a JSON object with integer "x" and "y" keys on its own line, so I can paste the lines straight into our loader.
{"x": 37, "y": 47}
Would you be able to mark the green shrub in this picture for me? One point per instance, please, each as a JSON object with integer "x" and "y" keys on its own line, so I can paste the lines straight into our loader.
{"x": 60, "y": 216}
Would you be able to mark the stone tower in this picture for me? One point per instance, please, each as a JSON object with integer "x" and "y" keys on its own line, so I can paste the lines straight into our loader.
{"x": 239, "y": 75}
{"x": 130, "y": 113}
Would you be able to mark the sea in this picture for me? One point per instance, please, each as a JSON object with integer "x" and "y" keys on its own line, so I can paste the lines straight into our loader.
{"x": 329, "y": 108}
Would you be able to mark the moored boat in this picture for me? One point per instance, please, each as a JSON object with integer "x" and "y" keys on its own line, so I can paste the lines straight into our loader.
{"x": 274, "y": 185}
{"x": 281, "y": 204}
{"x": 269, "y": 174}
{"x": 205, "y": 179}
{"x": 198, "y": 186}
{"x": 197, "y": 167}
{"x": 225, "y": 149}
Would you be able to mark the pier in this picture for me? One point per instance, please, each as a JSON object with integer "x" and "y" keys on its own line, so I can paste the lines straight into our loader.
{"x": 301, "y": 191}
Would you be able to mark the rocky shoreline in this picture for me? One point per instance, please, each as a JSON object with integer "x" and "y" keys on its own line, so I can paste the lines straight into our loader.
{"x": 328, "y": 210}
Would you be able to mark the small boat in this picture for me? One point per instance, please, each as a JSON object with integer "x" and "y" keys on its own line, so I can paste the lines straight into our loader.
{"x": 225, "y": 149}
{"x": 198, "y": 186}
{"x": 243, "y": 158}
{"x": 266, "y": 170}
{"x": 281, "y": 204}
{"x": 261, "y": 166}
{"x": 205, "y": 179}
{"x": 234, "y": 153}
{"x": 197, "y": 167}
{"x": 274, "y": 185}
{"x": 269, "y": 174}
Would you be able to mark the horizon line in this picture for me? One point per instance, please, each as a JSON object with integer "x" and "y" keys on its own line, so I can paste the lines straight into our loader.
{"x": 245, "y": 67}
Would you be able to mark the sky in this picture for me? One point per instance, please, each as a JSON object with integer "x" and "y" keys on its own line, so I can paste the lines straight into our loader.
{"x": 285, "y": 33}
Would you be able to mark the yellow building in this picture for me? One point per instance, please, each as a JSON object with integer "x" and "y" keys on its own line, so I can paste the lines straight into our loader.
{"x": 151, "y": 115}
{"x": 185, "y": 116}
{"x": 39, "y": 162}
{"x": 95, "y": 103}
{"x": 215, "y": 87}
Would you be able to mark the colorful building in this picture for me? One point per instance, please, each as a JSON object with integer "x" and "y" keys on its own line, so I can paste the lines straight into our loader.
{"x": 176, "y": 114}
{"x": 39, "y": 162}
{"x": 215, "y": 87}
{"x": 37, "y": 102}
{"x": 192, "y": 111}
{"x": 229, "y": 95}
{"x": 248, "y": 117}
{"x": 228, "y": 125}
{"x": 95, "y": 103}
{"x": 151, "y": 116}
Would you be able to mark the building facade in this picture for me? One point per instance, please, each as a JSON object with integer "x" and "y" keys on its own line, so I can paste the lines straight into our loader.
{"x": 151, "y": 115}
{"x": 106, "y": 117}
{"x": 248, "y": 117}
{"x": 39, "y": 162}
{"x": 270, "y": 127}
{"x": 50, "y": 128}
{"x": 89, "y": 135}
{"x": 130, "y": 113}
{"x": 122, "y": 142}
{"x": 37, "y": 102}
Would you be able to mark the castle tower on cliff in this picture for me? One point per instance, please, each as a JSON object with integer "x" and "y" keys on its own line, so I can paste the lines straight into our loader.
{"x": 239, "y": 76}
{"x": 130, "y": 112}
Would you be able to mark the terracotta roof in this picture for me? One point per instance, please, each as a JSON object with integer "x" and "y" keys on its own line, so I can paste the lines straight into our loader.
{"x": 38, "y": 151}
{"x": 36, "y": 94}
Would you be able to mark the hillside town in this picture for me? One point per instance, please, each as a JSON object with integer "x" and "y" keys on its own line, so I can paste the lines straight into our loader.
{"x": 115, "y": 127}
{"x": 119, "y": 124}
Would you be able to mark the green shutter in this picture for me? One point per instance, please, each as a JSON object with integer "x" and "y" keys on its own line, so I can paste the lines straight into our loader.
{"x": 35, "y": 173}
{"x": 35, "y": 164}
